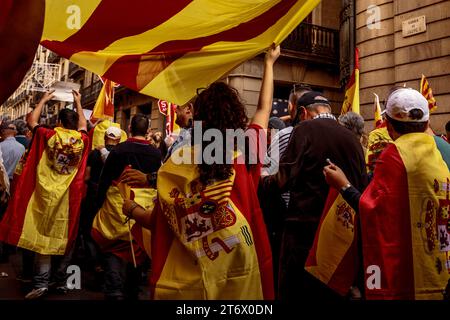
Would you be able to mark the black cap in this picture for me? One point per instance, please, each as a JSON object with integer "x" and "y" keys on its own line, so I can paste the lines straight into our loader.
{"x": 312, "y": 97}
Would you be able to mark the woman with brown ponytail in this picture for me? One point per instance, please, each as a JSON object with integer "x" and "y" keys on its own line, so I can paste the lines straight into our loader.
{"x": 208, "y": 237}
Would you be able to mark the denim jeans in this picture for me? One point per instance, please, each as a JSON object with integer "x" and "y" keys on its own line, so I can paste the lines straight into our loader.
{"x": 50, "y": 269}
{"x": 122, "y": 280}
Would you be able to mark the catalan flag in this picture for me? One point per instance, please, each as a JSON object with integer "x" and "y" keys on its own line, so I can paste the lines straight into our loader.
{"x": 378, "y": 117}
{"x": 208, "y": 242}
{"x": 43, "y": 215}
{"x": 333, "y": 258}
{"x": 167, "y": 49}
{"x": 104, "y": 106}
{"x": 404, "y": 222}
{"x": 426, "y": 91}
{"x": 351, "y": 100}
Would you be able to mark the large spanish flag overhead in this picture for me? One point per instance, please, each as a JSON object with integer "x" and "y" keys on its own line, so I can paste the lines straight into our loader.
{"x": 333, "y": 258}
{"x": 208, "y": 242}
{"x": 167, "y": 49}
{"x": 43, "y": 214}
{"x": 405, "y": 222}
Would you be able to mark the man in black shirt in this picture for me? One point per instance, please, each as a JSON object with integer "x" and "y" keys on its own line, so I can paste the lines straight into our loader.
{"x": 139, "y": 154}
{"x": 318, "y": 137}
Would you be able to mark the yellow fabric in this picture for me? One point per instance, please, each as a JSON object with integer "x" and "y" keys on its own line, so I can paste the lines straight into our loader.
{"x": 110, "y": 221}
{"x": 209, "y": 270}
{"x": 105, "y": 98}
{"x": 377, "y": 141}
{"x": 46, "y": 223}
{"x": 428, "y": 187}
{"x": 336, "y": 231}
{"x": 192, "y": 70}
{"x": 377, "y": 114}
{"x": 98, "y": 138}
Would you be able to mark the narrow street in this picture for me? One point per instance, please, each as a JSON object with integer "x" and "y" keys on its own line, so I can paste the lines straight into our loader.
{"x": 13, "y": 289}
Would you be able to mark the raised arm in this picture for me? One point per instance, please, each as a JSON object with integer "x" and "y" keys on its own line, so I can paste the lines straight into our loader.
{"x": 264, "y": 107}
{"x": 33, "y": 117}
{"x": 82, "y": 123}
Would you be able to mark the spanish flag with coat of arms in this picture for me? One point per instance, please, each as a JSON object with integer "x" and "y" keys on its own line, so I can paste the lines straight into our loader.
{"x": 167, "y": 49}
{"x": 333, "y": 258}
{"x": 209, "y": 243}
{"x": 43, "y": 214}
{"x": 404, "y": 216}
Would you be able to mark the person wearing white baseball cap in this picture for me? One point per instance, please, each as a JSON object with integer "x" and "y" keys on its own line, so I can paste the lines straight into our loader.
{"x": 403, "y": 227}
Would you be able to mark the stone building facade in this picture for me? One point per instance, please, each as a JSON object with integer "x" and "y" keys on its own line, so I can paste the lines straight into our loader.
{"x": 389, "y": 57}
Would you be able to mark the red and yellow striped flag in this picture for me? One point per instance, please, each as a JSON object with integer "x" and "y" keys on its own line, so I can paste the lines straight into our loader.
{"x": 333, "y": 258}
{"x": 167, "y": 49}
{"x": 104, "y": 107}
{"x": 351, "y": 101}
{"x": 426, "y": 91}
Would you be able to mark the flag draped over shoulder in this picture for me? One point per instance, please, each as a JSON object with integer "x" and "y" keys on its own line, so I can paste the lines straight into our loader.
{"x": 333, "y": 258}
{"x": 43, "y": 214}
{"x": 351, "y": 100}
{"x": 426, "y": 91}
{"x": 208, "y": 242}
{"x": 109, "y": 229}
{"x": 97, "y": 134}
{"x": 167, "y": 49}
{"x": 404, "y": 222}
{"x": 104, "y": 106}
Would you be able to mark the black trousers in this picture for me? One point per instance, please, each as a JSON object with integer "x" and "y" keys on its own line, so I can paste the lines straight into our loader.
{"x": 295, "y": 283}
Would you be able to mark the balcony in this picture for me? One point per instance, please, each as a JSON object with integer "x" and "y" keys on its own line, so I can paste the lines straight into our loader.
{"x": 313, "y": 43}
{"x": 89, "y": 94}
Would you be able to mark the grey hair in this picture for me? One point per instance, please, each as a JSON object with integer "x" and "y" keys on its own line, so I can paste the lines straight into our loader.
{"x": 353, "y": 122}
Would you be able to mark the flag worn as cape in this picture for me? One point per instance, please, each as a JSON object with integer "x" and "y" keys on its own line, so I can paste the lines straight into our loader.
{"x": 426, "y": 91}
{"x": 351, "y": 100}
{"x": 404, "y": 222}
{"x": 167, "y": 49}
{"x": 333, "y": 258}
{"x": 208, "y": 243}
{"x": 109, "y": 229}
{"x": 97, "y": 134}
{"x": 43, "y": 214}
{"x": 104, "y": 106}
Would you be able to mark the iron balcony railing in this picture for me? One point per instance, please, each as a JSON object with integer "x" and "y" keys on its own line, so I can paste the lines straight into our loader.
{"x": 313, "y": 42}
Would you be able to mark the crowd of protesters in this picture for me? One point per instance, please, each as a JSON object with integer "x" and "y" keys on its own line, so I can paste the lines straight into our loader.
{"x": 238, "y": 230}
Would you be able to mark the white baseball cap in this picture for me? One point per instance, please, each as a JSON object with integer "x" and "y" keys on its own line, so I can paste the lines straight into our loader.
{"x": 113, "y": 133}
{"x": 402, "y": 101}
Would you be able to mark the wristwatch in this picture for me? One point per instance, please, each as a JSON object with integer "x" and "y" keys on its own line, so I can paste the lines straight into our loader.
{"x": 344, "y": 188}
